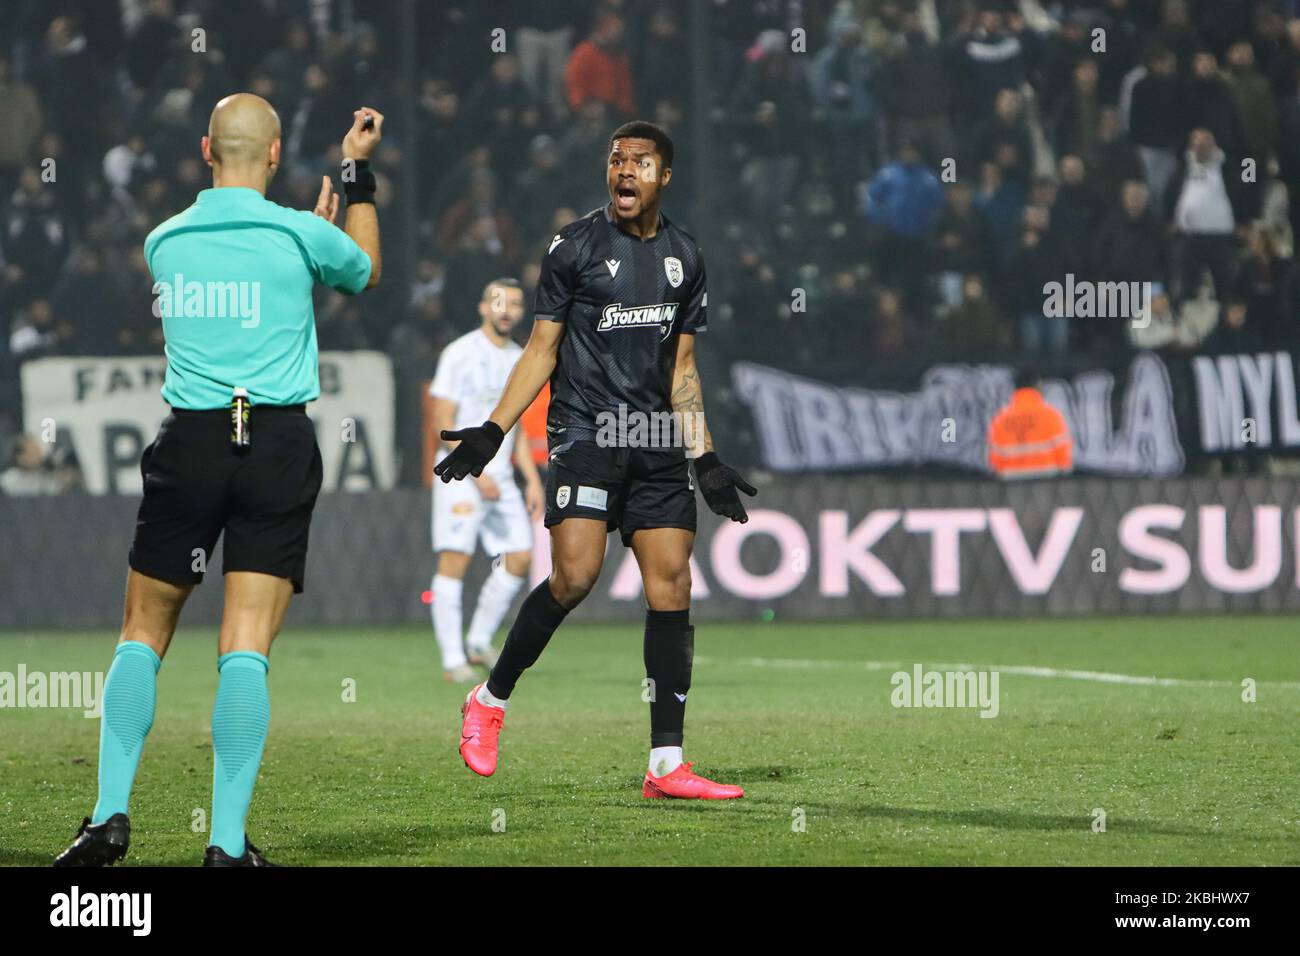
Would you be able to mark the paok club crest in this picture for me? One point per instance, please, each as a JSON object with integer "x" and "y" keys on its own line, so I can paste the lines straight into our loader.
{"x": 674, "y": 271}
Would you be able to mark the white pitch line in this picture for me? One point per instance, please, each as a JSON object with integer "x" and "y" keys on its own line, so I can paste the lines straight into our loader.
{"x": 1101, "y": 677}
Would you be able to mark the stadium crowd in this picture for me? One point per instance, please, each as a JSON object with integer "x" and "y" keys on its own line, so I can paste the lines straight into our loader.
{"x": 894, "y": 181}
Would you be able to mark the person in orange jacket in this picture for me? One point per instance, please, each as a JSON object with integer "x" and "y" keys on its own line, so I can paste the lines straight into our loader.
{"x": 533, "y": 423}
{"x": 1029, "y": 438}
{"x": 599, "y": 69}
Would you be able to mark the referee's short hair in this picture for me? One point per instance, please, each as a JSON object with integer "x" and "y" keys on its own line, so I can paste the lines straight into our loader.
{"x": 640, "y": 129}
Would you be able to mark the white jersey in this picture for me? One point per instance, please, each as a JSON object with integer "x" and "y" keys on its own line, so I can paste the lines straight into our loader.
{"x": 472, "y": 372}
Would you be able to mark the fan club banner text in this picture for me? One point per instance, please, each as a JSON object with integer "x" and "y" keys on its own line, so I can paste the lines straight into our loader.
{"x": 1146, "y": 419}
{"x": 109, "y": 409}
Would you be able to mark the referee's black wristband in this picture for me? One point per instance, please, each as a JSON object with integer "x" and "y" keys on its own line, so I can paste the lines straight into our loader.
{"x": 358, "y": 182}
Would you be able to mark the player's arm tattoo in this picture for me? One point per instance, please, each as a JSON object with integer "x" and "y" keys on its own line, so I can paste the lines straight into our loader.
{"x": 688, "y": 404}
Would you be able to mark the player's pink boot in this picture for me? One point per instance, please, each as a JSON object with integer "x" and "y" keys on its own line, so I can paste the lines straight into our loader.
{"x": 479, "y": 732}
{"x": 684, "y": 785}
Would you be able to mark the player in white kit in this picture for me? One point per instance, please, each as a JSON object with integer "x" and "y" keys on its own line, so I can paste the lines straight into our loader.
{"x": 472, "y": 372}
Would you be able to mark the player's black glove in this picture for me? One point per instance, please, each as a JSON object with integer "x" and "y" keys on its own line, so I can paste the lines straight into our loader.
{"x": 477, "y": 447}
{"x": 718, "y": 484}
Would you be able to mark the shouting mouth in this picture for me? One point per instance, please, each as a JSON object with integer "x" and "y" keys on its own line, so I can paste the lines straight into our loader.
{"x": 625, "y": 197}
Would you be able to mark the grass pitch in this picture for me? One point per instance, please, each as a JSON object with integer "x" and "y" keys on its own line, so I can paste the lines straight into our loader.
{"x": 800, "y": 714}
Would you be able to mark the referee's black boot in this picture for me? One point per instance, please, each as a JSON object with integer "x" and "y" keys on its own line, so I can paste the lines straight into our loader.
{"x": 215, "y": 856}
{"x": 98, "y": 844}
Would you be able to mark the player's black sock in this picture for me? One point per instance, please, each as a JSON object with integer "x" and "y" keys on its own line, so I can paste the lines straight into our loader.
{"x": 669, "y": 651}
{"x": 538, "y": 617}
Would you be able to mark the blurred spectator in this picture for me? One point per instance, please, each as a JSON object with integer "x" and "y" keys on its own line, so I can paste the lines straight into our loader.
{"x": 1156, "y": 121}
{"x": 1177, "y": 34}
{"x": 34, "y": 237}
{"x": 1004, "y": 139}
{"x": 1263, "y": 281}
{"x": 499, "y": 101}
{"x": 156, "y": 30}
{"x": 441, "y": 133}
{"x": 287, "y": 65}
{"x": 1112, "y": 160}
{"x": 540, "y": 187}
{"x": 770, "y": 106}
{"x": 308, "y": 132}
{"x": 841, "y": 88}
{"x": 1209, "y": 104}
{"x": 1203, "y": 216}
{"x": 20, "y": 117}
{"x": 1236, "y": 332}
{"x": 1163, "y": 326}
{"x": 544, "y": 37}
{"x": 67, "y": 78}
{"x": 479, "y": 218}
{"x": 1074, "y": 215}
{"x": 598, "y": 69}
{"x": 1130, "y": 246}
{"x": 905, "y": 196}
{"x": 662, "y": 73}
{"x": 903, "y": 201}
{"x": 79, "y": 298}
{"x": 1076, "y": 123}
{"x": 36, "y": 334}
{"x": 974, "y": 328}
{"x": 894, "y": 333}
{"x": 31, "y": 473}
{"x": 960, "y": 244}
{"x": 987, "y": 58}
{"x": 1040, "y": 259}
{"x": 913, "y": 91}
{"x": 1253, "y": 100}
{"x": 124, "y": 163}
{"x": 1000, "y": 202}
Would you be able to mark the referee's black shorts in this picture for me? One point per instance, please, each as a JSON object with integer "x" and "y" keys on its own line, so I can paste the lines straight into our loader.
{"x": 196, "y": 485}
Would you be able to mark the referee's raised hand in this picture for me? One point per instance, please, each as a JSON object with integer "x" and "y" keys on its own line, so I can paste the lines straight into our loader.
{"x": 477, "y": 447}
{"x": 327, "y": 203}
{"x": 364, "y": 136}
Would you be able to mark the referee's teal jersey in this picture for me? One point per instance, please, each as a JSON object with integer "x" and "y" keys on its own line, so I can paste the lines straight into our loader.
{"x": 233, "y": 278}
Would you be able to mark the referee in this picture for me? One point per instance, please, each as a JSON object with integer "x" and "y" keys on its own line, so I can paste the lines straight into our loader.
{"x": 233, "y": 277}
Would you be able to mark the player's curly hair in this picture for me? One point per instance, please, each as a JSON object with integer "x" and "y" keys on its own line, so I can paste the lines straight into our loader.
{"x": 641, "y": 129}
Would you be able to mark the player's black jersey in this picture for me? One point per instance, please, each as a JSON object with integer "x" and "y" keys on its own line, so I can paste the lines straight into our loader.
{"x": 623, "y": 301}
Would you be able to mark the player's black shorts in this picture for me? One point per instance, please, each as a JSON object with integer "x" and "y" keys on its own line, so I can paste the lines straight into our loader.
{"x": 629, "y": 488}
{"x": 196, "y": 485}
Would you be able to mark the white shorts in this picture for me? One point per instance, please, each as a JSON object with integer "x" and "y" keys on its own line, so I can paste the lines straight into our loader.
{"x": 461, "y": 516}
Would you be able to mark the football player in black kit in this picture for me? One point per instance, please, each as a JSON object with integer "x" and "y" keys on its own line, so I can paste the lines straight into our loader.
{"x": 620, "y": 299}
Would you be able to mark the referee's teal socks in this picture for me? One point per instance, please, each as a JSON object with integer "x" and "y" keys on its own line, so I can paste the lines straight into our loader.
{"x": 239, "y": 722}
{"x": 130, "y": 695}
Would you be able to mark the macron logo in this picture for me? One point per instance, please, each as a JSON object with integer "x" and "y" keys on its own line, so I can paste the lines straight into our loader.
{"x": 74, "y": 909}
{"x": 554, "y": 242}
{"x": 612, "y": 265}
{"x": 680, "y": 697}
